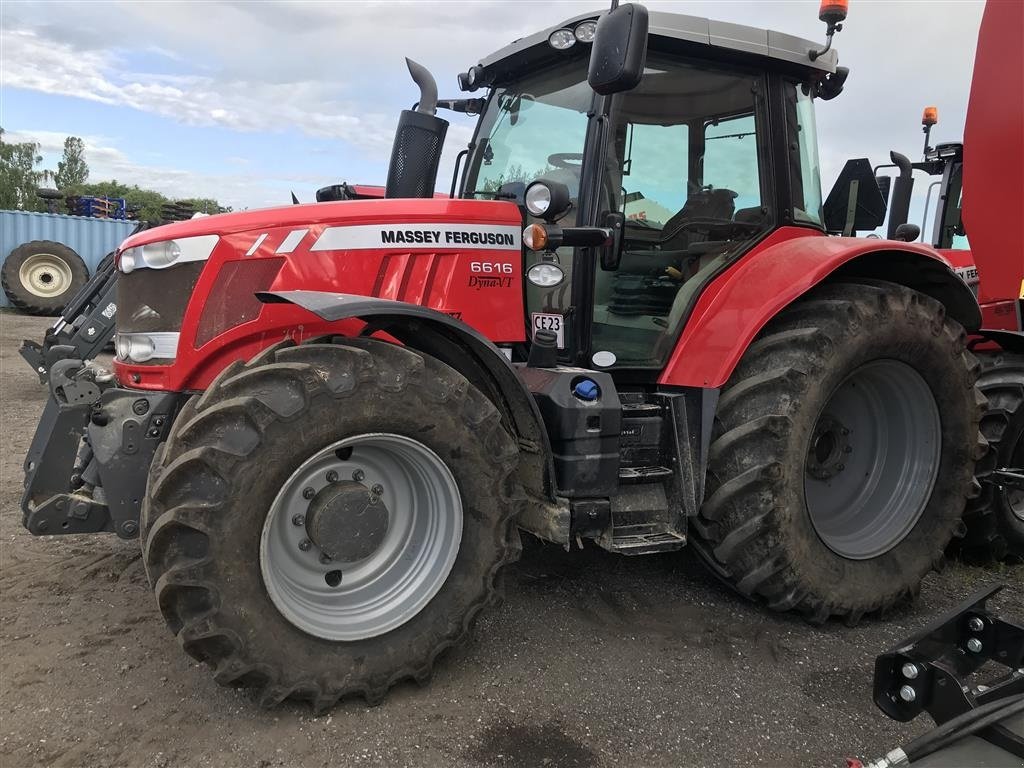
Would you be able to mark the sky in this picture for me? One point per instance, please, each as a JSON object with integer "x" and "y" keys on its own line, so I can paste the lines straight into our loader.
{"x": 247, "y": 101}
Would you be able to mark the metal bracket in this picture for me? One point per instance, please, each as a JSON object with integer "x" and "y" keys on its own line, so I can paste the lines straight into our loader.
{"x": 928, "y": 671}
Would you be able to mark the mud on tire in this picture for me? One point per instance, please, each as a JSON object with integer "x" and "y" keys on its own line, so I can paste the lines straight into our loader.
{"x": 235, "y": 445}
{"x": 995, "y": 518}
{"x": 755, "y": 529}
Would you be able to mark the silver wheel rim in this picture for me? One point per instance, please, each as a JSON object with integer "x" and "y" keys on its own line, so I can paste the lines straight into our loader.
{"x": 872, "y": 460}
{"x": 375, "y": 593}
{"x": 45, "y": 275}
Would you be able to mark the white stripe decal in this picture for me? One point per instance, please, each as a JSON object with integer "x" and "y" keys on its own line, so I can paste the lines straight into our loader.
{"x": 293, "y": 239}
{"x": 419, "y": 237}
{"x": 257, "y": 244}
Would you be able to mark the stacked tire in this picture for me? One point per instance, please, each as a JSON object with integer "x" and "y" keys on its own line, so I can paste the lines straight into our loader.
{"x": 40, "y": 277}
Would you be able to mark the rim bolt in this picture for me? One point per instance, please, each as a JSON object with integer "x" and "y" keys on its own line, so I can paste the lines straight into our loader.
{"x": 325, "y": 558}
{"x": 305, "y": 545}
{"x": 845, "y": 432}
{"x": 909, "y": 671}
{"x": 974, "y": 645}
{"x": 975, "y": 624}
{"x": 308, "y": 493}
{"x": 841, "y": 467}
{"x": 378, "y": 489}
{"x": 907, "y": 693}
{"x": 358, "y": 475}
{"x": 847, "y": 449}
{"x": 298, "y": 519}
{"x": 332, "y": 476}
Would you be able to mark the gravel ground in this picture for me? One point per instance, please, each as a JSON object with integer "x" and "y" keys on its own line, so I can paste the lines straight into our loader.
{"x": 593, "y": 660}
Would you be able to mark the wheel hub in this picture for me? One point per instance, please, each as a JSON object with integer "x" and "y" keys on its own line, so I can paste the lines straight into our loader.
{"x": 347, "y": 521}
{"x": 829, "y": 448}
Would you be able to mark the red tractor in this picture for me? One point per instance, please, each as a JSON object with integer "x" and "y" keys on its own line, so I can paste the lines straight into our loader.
{"x": 979, "y": 187}
{"x": 326, "y": 422}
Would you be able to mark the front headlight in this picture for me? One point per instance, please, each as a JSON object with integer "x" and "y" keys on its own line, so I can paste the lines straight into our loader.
{"x": 167, "y": 253}
{"x": 142, "y": 347}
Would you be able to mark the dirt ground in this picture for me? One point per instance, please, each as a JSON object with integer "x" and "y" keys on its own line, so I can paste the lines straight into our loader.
{"x": 593, "y": 660}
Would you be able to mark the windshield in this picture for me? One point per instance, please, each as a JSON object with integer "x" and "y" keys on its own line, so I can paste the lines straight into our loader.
{"x": 531, "y": 129}
{"x": 537, "y": 127}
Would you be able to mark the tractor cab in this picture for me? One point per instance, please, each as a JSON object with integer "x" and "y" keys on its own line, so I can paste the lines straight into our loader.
{"x": 712, "y": 150}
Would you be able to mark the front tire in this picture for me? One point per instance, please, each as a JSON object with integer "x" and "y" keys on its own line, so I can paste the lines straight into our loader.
{"x": 844, "y": 450}
{"x": 404, "y": 479}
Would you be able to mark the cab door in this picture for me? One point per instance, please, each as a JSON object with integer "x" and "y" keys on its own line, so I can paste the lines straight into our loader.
{"x": 686, "y": 165}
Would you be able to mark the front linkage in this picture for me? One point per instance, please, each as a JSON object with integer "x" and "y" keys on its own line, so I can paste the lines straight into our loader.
{"x": 87, "y": 466}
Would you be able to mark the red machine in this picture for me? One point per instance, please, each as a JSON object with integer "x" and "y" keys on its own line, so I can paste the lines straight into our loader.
{"x": 628, "y": 327}
{"x": 980, "y": 188}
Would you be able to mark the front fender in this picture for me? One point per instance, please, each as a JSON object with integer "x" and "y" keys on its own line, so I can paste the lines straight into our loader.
{"x": 457, "y": 345}
{"x": 734, "y": 308}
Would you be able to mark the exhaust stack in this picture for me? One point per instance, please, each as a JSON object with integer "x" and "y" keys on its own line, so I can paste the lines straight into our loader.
{"x": 419, "y": 140}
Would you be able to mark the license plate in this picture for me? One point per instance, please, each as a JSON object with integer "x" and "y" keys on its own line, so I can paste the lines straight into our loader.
{"x": 554, "y": 323}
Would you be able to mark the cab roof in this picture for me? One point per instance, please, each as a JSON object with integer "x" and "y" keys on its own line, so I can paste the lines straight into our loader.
{"x": 694, "y": 30}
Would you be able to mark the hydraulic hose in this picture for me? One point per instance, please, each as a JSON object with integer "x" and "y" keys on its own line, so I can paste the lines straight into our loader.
{"x": 959, "y": 727}
{"x": 968, "y": 723}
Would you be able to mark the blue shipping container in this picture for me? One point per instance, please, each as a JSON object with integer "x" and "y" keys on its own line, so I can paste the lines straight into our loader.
{"x": 92, "y": 239}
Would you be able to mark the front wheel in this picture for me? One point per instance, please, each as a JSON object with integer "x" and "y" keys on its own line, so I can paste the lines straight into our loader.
{"x": 328, "y": 518}
{"x": 844, "y": 451}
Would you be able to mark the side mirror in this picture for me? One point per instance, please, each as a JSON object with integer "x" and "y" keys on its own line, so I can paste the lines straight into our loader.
{"x": 619, "y": 50}
{"x": 907, "y": 233}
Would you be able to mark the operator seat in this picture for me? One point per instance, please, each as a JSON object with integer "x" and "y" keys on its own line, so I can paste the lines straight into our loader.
{"x": 641, "y": 285}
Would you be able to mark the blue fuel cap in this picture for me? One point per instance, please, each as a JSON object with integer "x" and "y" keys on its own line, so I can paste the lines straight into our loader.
{"x": 586, "y": 389}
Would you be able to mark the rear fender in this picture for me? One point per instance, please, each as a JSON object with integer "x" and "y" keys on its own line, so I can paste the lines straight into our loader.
{"x": 734, "y": 308}
{"x": 457, "y": 345}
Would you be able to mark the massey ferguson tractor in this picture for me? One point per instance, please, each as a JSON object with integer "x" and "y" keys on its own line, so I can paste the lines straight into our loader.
{"x": 629, "y": 327}
{"x": 979, "y": 188}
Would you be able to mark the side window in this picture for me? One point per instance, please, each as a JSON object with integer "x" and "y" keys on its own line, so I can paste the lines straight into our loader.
{"x": 730, "y": 160}
{"x": 805, "y": 175}
{"x": 654, "y": 173}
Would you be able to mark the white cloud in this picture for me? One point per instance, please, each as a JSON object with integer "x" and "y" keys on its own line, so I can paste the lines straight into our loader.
{"x": 35, "y": 63}
{"x": 238, "y": 190}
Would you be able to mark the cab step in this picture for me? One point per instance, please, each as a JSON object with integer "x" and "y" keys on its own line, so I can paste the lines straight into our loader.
{"x": 645, "y": 539}
{"x": 643, "y": 474}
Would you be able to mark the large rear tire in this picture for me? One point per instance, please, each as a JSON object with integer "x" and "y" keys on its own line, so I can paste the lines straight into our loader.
{"x": 41, "y": 277}
{"x": 328, "y": 518}
{"x": 844, "y": 450}
{"x": 995, "y": 518}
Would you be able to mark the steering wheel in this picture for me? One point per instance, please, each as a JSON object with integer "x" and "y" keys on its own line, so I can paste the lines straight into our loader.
{"x": 570, "y": 161}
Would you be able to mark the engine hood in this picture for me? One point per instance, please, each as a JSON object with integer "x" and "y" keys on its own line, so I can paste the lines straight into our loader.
{"x": 313, "y": 215}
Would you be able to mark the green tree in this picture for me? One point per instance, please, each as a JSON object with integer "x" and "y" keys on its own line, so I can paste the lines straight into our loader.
{"x": 72, "y": 170}
{"x": 19, "y": 178}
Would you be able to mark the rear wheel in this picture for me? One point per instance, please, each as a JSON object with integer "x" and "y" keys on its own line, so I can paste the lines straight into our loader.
{"x": 995, "y": 518}
{"x": 328, "y": 518}
{"x": 843, "y": 453}
{"x": 41, "y": 277}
